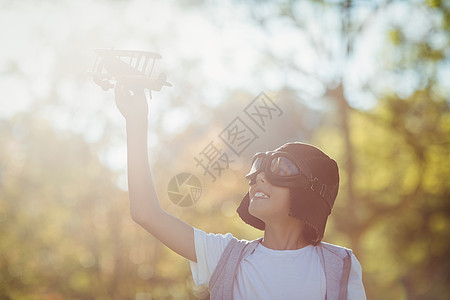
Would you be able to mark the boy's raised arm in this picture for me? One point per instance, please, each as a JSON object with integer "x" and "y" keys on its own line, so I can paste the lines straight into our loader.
{"x": 144, "y": 204}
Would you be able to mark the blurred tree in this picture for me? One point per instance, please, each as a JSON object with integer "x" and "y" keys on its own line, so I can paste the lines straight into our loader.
{"x": 387, "y": 151}
{"x": 415, "y": 204}
{"x": 65, "y": 232}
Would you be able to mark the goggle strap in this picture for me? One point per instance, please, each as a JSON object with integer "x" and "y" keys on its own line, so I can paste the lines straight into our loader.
{"x": 321, "y": 189}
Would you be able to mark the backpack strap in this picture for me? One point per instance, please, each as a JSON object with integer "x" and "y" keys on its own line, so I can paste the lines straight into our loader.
{"x": 336, "y": 262}
{"x": 345, "y": 276}
{"x": 222, "y": 279}
{"x": 222, "y": 266}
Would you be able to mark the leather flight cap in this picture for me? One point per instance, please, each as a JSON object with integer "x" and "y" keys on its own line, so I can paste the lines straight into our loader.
{"x": 312, "y": 199}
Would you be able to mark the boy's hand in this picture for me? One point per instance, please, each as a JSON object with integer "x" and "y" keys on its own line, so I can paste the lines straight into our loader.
{"x": 133, "y": 106}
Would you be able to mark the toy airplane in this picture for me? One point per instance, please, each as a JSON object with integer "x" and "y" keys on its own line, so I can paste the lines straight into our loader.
{"x": 131, "y": 68}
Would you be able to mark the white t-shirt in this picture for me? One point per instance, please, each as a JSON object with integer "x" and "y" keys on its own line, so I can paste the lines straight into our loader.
{"x": 270, "y": 274}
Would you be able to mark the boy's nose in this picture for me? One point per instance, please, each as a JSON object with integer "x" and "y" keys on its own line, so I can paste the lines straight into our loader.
{"x": 261, "y": 177}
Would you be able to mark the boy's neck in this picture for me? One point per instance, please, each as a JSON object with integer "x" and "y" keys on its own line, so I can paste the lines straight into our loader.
{"x": 283, "y": 238}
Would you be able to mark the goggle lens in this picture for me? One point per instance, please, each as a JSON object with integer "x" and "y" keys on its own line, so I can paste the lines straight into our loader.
{"x": 279, "y": 165}
{"x": 282, "y": 169}
{"x": 257, "y": 163}
{"x": 283, "y": 166}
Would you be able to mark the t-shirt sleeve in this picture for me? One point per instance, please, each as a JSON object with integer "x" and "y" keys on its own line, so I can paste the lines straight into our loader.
{"x": 355, "y": 285}
{"x": 208, "y": 249}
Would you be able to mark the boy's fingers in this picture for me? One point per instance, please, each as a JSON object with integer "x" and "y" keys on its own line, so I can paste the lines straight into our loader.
{"x": 139, "y": 93}
{"x": 121, "y": 90}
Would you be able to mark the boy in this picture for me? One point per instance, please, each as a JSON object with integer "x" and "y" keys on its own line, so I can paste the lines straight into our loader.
{"x": 292, "y": 191}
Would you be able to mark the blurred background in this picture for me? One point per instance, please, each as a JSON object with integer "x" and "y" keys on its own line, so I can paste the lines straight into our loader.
{"x": 367, "y": 81}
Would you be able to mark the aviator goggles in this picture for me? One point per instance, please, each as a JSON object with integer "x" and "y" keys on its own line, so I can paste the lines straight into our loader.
{"x": 283, "y": 169}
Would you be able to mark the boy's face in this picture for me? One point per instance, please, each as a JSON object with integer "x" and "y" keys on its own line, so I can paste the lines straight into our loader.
{"x": 268, "y": 202}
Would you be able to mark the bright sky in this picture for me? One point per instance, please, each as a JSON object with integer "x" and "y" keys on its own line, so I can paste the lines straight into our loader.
{"x": 225, "y": 48}
{"x": 207, "y": 53}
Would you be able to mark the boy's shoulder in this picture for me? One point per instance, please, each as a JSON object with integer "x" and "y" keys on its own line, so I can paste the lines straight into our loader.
{"x": 236, "y": 243}
{"x": 324, "y": 247}
{"x": 335, "y": 249}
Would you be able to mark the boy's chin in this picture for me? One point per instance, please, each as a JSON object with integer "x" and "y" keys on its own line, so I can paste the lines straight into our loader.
{"x": 254, "y": 212}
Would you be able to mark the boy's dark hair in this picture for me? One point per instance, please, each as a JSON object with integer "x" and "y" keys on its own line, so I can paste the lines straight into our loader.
{"x": 307, "y": 204}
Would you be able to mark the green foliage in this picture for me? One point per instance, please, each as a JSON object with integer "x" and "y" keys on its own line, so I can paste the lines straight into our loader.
{"x": 398, "y": 223}
{"x": 65, "y": 230}
{"x": 434, "y": 3}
